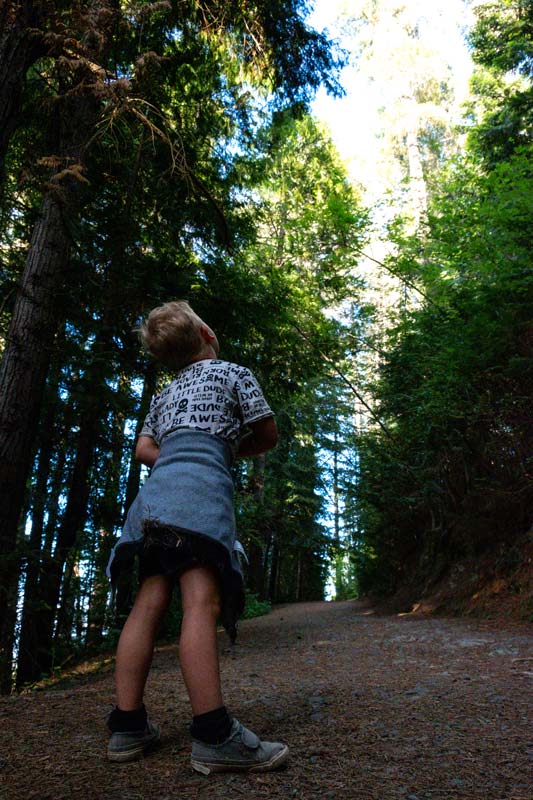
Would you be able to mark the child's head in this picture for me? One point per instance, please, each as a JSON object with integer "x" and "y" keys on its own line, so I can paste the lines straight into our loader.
{"x": 175, "y": 335}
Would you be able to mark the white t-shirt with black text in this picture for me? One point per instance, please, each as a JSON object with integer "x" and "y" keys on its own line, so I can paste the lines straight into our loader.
{"x": 210, "y": 395}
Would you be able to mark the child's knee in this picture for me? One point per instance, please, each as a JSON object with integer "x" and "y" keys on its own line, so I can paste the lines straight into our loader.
{"x": 207, "y": 601}
{"x": 206, "y": 608}
{"x": 154, "y": 608}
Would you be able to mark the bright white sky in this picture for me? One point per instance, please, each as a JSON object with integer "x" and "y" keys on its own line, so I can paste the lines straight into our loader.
{"x": 354, "y": 120}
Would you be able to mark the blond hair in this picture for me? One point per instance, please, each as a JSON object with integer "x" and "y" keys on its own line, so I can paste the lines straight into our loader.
{"x": 171, "y": 332}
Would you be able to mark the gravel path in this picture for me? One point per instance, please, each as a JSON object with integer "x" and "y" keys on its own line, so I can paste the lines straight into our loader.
{"x": 373, "y": 708}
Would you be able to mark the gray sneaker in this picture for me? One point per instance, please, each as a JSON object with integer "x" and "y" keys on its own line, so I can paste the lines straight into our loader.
{"x": 131, "y": 745}
{"x": 241, "y": 752}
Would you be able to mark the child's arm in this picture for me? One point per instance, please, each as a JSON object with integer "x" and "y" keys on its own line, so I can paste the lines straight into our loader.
{"x": 263, "y": 436}
{"x": 147, "y": 451}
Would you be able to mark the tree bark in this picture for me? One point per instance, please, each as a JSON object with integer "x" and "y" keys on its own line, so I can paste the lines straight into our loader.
{"x": 124, "y": 588}
{"x": 106, "y": 521}
{"x": 20, "y": 46}
{"x": 23, "y": 374}
{"x": 273, "y": 583}
{"x": 298, "y": 589}
{"x": 8, "y": 639}
{"x": 417, "y": 182}
{"x": 71, "y": 524}
{"x": 256, "y": 548}
{"x": 336, "y": 511}
{"x": 134, "y": 472}
{"x": 28, "y": 630}
{"x": 70, "y": 590}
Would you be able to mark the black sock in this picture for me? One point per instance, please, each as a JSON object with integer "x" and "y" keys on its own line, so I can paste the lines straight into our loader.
{"x": 127, "y": 721}
{"x": 214, "y": 727}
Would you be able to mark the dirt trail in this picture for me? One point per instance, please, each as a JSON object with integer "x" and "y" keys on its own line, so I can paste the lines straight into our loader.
{"x": 373, "y": 708}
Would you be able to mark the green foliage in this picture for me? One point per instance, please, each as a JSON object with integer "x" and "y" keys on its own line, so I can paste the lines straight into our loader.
{"x": 455, "y": 386}
{"x": 255, "y": 607}
{"x": 503, "y": 48}
{"x": 502, "y": 36}
{"x": 346, "y": 579}
{"x": 451, "y": 478}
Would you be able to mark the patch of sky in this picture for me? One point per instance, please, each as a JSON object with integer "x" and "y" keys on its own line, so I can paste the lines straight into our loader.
{"x": 130, "y": 426}
{"x": 355, "y": 120}
{"x": 206, "y": 252}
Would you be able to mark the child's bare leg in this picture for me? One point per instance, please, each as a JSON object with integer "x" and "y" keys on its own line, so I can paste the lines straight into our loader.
{"x": 136, "y": 644}
{"x": 220, "y": 743}
{"x": 198, "y": 640}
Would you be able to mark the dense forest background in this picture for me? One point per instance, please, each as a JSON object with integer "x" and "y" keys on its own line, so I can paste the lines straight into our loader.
{"x": 160, "y": 150}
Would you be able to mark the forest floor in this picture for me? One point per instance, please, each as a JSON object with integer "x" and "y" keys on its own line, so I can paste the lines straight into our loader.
{"x": 374, "y": 707}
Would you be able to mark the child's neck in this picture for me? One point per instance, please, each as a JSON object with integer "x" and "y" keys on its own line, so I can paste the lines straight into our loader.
{"x": 206, "y": 353}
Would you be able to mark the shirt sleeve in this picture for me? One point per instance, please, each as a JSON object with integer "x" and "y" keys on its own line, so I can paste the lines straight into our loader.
{"x": 251, "y": 398}
{"x": 150, "y": 427}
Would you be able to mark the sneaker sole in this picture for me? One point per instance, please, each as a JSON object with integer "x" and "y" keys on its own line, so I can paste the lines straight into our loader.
{"x": 206, "y": 768}
{"x": 121, "y": 756}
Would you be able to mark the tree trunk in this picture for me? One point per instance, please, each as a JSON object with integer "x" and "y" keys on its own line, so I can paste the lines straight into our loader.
{"x": 256, "y": 548}
{"x": 106, "y": 521}
{"x": 70, "y": 589}
{"x": 134, "y": 472}
{"x": 298, "y": 589}
{"x": 22, "y": 377}
{"x": 336, "y": 512}
{"x": 19, "y": 48}
{"x": 417, "y": 183}
{"x": 71, "y": 524}
{"x": 59, "y": 479}
{"x": 273, "y": 582}
{"x": 28, "y": 632}
{"x": 124, "y": 588}
{"x": 8, "y": 641}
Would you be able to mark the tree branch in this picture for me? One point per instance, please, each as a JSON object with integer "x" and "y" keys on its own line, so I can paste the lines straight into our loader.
{"x": 346, "y": 380}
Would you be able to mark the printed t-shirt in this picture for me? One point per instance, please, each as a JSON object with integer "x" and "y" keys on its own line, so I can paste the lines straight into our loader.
{"x": 210, "y": 395}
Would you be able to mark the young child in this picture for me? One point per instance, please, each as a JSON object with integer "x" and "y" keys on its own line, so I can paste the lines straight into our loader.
{"x": 183, "y": 528}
